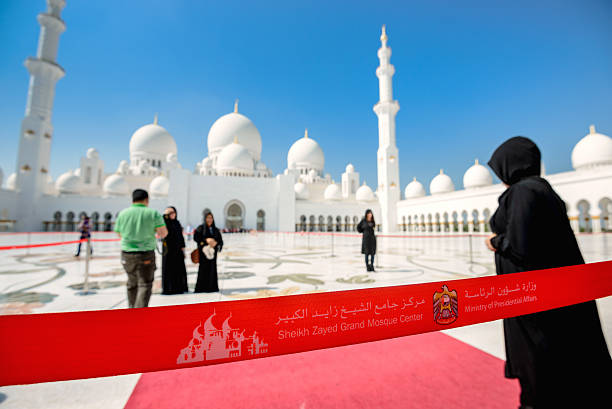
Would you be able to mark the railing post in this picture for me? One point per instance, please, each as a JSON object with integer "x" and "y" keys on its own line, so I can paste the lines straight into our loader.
{"x": 471, "y": 257}
{"x": 86, "y": 290}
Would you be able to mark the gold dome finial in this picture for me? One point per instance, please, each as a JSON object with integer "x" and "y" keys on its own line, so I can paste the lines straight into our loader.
{"x": 155, "y": 119}
{"x": 235, "y": 138}
{"x": 414, "y": 179}
{"x": 592, "y": 129}
{"x": 383, "y": 36}
{"x": 476, "y": 161}
{"x": 236, "y": 105}
{"x": 306, "y": 133}
{"x": 441, "y": 171}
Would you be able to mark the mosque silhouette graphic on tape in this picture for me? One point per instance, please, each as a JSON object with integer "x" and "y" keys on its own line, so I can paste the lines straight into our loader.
{"x": 209, "y": 343}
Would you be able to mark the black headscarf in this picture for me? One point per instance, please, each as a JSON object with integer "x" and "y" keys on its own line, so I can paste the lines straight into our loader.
{"x": 516, "y": 159}
{"x": 174, "y": 239}
{"x": 366, "y": 217}
{"x": 213, "y": 223}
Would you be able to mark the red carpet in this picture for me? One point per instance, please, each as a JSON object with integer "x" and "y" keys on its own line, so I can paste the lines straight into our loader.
{"x": 425, "y": 371}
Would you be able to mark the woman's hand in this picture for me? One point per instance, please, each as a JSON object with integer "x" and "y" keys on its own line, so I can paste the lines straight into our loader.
{"x": 211, "y": 242}
{"x": 489, "y": 244}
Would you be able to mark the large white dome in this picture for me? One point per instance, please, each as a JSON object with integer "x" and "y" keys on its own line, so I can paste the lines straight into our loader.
{"x": 306, "y": 153}
{"x": 116, "y": 185}
{"x": 68, "y": 183}
{"x": 152, "y": 139}
{"x": 441, "y": 184}
{"x": 11, "y": 181}
{"x": 414, "y": 189}
{"x": 332, "y": 192}
{"x": 159, "y": 186}
{"x": 301, "y": 191}
{"x": 595, "y": 149}
{"x": 234, "y": 124}
{"x": 364, "y": 193}
{"x": 477, "y": 176}
{"x": 235, "y": 157}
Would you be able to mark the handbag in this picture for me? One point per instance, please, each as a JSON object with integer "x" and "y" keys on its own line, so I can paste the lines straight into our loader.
{"x": 195, "y": 256}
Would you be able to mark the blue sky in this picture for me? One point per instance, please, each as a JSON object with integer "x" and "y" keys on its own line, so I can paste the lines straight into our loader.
{"x": 469, "y": 75}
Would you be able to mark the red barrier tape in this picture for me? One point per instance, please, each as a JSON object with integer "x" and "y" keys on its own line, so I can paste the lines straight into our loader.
{"x": 30, "y": 246}
{"x": 61, "y": 346}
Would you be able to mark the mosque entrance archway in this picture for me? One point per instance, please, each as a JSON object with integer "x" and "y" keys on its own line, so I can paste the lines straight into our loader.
{"x": 234, "y": 215}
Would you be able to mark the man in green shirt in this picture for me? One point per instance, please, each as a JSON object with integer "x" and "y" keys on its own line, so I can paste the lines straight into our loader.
{"x": 137, "y": 226}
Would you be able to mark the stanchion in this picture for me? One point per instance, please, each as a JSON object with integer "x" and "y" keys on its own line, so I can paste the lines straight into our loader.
{"x": 86, "y": 290}
{"x": 28, "y": 243}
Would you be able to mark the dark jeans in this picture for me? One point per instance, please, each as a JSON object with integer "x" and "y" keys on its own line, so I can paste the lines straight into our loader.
{"x": 371, "y": 256}
{"x": 140, "y": 269}
{"x": 79, "y": 249}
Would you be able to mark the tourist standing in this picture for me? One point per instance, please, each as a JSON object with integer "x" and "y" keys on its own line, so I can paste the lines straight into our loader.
{"x": 85, "y": 229}
{"x": 559, "y": 356}
{"x": 210, "y": 242}
{"x": 174, "y": 274}
{"x": 368, "y": 241}
{"x": 137, "y": 226}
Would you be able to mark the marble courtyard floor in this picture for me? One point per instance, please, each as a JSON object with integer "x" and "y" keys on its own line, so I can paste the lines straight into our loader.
{"x": 49, "y": 279}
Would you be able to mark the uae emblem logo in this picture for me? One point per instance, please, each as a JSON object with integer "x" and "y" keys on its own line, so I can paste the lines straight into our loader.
{"x": 209, "y": 343}
{"x": 445, "y": 306}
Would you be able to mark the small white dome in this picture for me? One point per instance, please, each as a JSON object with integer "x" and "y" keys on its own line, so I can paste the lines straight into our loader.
{"x": 77, "y": 172}
{"x": 364, "y": 193}
{"x": 116, "y": 185}
{"x": 414, "y": 189}
{"x": 301, "y": 191}
{"x": 595, "y": 149}
{"x": 305, "y": 153}
{"x": 477, "y": 176}
{"x": 261, "y": 166}
{"x": 207, "y": 163}
{"x": 235, "y": 157}
{"x": 349, "y": 168}
{"x": 172, "y": 157}
{"x": 232, "y": 125}
{"x": 11, "y": 181}
{"x": 92, "y": 153}
{"x": 123, "y": 168}
{"x": 152, "y": 139}
{"x": 68, "y": 183}
{"x": 159, "y": 186}
{"x": 332, "y": 192}
{"x": 441, "y": 184}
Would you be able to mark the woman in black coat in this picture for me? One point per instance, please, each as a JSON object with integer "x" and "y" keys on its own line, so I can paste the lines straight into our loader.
{"x": 174, "y": 274}
{"x": 207, "y": 234}
{"x": 368, "y": 240}
{"x": 559, "y": 356}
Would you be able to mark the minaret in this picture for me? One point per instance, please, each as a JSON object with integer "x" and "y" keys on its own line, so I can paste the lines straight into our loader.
{"x": 36, "y": 129}
{"x": 388, "y": 161}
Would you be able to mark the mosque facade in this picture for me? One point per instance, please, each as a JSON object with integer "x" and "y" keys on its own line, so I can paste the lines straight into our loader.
{"x": 235, "y": 184}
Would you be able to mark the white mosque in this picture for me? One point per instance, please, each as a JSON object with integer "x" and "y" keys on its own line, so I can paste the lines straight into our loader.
{"x": 233, "y": 182}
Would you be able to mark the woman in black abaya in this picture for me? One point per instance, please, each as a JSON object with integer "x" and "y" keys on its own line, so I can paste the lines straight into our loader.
{"x": 174, "y": 274}
{"x": 368, "y": 240}
{"x": 559, "y": 356}
{"x": 207, "y": 234}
